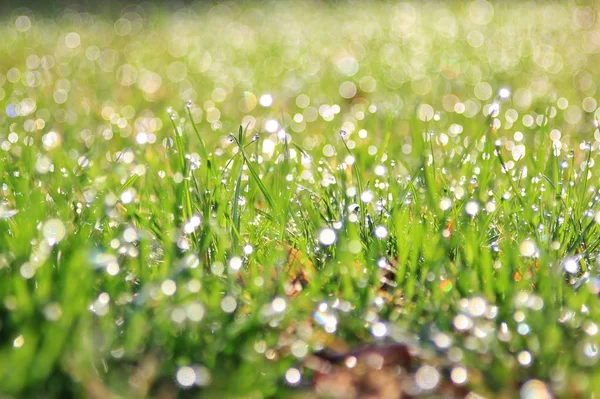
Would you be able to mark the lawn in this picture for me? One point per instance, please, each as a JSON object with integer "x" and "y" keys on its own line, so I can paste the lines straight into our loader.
{"x": 300, "y": 199}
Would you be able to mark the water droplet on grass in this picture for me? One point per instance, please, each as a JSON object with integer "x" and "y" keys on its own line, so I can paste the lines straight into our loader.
{"x": 445, "y": 204}
{"x": 327, "y": 236}
{"x": 228, "y": 304}
{"x": 379, "y": 330}
{"x": 366, "y": 197}
{"x": 266, "y": 100}
{"x": 195, "y": 312}
{"x": 427, "y": 377}
{"x": 54, "y": 231}
{"x": 293, "y": 376}
{"x": 504, "y": 93}
{"x": 19, "y": 341}
{"x": 535, "y": 389}
{"x": 186, "y": 376}
{"x": 381, "y": 232}
{"x": 235, "y": 263}
{"x": 168, "y": 287}
{"x": 6, "y": 213}
{"x": 472, "y": 208}
{"x": 571, "y": 265}
{"x": 458, "y": 375}
{"x": 524, "y": 358}
{"x": 278, "y": 305}
{"x": 527, "y": 248}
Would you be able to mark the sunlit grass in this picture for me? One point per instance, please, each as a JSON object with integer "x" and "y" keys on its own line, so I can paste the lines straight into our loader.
{"x": 196, "y": 201}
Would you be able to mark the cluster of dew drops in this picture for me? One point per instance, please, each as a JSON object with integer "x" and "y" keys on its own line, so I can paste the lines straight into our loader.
{"x": 475, "y": 318}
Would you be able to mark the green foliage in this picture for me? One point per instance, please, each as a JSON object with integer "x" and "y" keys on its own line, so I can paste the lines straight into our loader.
{"x": 391, "y": 182}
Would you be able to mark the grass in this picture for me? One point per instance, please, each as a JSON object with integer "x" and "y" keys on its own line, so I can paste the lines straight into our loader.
{"x": 205, "y": 201}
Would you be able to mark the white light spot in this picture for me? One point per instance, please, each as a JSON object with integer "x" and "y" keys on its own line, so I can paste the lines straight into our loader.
{"x": 228, "y": 304}
{"x": 278, "y": 304}
{"x": 445, "y": 204}
{"x": 327, "y": 236}
{"x": 235, "y": 263}
{"x": 535, "y": 389}
{"x": 141, "y": 138}
{"x": 427, "y": 378}
{"x": 168, "y": 287}
{"x": 127, "y": 196}
{"x": 299, "y": 349}
{"x": 186, "y": 376}
{"x": 27, "y": 270}
{"x": 379, "y": 329}
{"x": 112, "y": 268}
{"x": 472, "y": 208}
{"x": 271, "y": 125}
{"x": 23, "y": 23}
{"x": 351, "y": 361}
{"x": 477, "y": 306}
{"x": 293, "y": 376}
{"x": 524, "y": 358}
{"x": 504, "y": 93}
{"x": 130, "y": 234}
{"x": 462, "y": 322}
{"x": 19, "y": 341}
{"x": 527, "y": 248}
{"x": 195, "y": 220}
{"x": 266, "y": 100}
{"x": 380, "y": 170}
{"x": 459, "y": 375}
{"x": 366, "y": 197}
{"x": 72, "y": 40}
{"x": 195, "y": 312}
{"x": 571, "y": 265}
{"x": 381, "y": 232}
{"x": 54, "y": 231}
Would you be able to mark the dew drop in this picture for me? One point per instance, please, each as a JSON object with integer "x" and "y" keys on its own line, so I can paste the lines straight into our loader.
{"x": 527, "y": 248}
{"x": 571, "y": 265}
{"x": 266, "y": 100}
{"x": 235, "y": 263}
{"x": 472, "y": 208}
{"x": 293, "y": 376}
{"x": 504, "y": 93}
{"x": 228, "y": 304}
{"x": 427, "y": 378}
{"x": 186, "y": 376}
{"x": 381, "y": 232}
{"x": 19, "y": 341}
{"x": 54, "y": 231}
{"x": 327, "y": 236}
{"x": 379, "y": 330}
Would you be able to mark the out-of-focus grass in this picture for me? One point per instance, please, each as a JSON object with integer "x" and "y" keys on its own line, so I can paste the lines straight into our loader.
{"x": 421, "y": 173}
